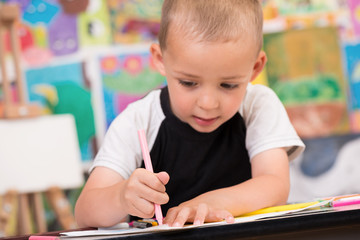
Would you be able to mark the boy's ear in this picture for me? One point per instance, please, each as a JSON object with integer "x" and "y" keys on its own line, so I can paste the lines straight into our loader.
{"x": 157, "y": 57}
{"x": 259, "y": 65}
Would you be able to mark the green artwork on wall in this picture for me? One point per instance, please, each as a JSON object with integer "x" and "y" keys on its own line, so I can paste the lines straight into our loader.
{"x": 304, "y": 69}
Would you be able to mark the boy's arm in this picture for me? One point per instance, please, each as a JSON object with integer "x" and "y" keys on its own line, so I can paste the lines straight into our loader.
{"x": 268, "y": 186}
{"x": 107, "y": 198}
{"x": 99, "y": 199}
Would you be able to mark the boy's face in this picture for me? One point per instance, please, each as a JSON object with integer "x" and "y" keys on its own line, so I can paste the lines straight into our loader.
{"x": 207, "y": 81}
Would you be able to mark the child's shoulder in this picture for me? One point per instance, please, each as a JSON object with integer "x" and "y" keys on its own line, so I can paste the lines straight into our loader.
{"x": 257, "y": 98}
{"x": 258, "y": 89}
{"x": 258, "y": 92}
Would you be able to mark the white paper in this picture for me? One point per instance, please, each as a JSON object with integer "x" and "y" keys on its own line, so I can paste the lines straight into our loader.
{"x": 111, "y": 231}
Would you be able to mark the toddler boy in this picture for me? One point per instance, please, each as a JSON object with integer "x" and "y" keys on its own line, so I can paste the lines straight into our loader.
{"x": 219, "y": 146}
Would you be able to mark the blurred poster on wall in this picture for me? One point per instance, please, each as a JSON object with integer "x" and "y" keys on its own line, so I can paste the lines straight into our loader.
{"x": 305, "y": 70}
{"x": 64, "y": 89}
{"x": 127, "y": 77}
{"x": 352, "y": 54}
{"x": 51, "y": 29}
{"x": 354, "y": 9}
{"x": 135, "y": 21}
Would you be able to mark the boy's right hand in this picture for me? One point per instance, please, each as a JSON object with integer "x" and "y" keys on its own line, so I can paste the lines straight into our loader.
{"x": 142, "y": 190}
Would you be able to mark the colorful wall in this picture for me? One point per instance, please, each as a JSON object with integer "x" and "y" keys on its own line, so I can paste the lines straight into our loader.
{"x": 90, "y": 58}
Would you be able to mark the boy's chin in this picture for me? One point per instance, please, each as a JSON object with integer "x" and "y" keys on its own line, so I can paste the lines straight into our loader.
{"x": 203, "y": 129}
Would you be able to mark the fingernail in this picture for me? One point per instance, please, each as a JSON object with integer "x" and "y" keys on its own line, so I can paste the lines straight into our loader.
{"x": 230, "y": 219}
{"x": 176, "y": 224}
{"x": 197, "y": 222}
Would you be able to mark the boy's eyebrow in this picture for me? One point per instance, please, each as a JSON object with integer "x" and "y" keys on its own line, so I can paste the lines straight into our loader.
{"x": 223, "y": 78}
{"x": 232, "y": 77}
{"x": 187, "y": 74}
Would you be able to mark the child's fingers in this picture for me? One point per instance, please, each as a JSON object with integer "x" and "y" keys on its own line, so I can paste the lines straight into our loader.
{"x": 204, "y": 213}
{"x": 150, "y": 187}
{"x": 230, "y": 219}
{"x": 152, "y": 195}
{"x": 170, "y": 216}
{"x": 139, "y": 197}
{"x": 151, "y": 180}
{"x": 142, "y": 208}
{"x": 201, "y": 213}
{"x": 163, "y": 177}
{"x": 224, "y": 215}
{"x": 134, "y": 203}
{"x": 181, "y": 217}
{"x": 177, "y": 216}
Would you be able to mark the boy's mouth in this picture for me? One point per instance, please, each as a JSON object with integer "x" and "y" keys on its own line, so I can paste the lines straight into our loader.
{"x": 205, "y": 121}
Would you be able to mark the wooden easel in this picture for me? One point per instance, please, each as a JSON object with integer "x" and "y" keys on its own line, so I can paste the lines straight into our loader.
{"x": 9, "y": 17}
{"x": 18, "y": 209}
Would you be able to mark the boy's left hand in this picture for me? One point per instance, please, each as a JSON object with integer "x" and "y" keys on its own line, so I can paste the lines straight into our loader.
{"x": 196, "y": 213}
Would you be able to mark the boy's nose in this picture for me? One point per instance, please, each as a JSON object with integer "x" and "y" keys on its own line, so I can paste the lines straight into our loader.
{"x": 208, "y": 100}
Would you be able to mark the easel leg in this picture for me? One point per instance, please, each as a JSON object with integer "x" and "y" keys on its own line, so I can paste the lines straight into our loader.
{"x": 3, "y": 218}
{"x": 11, "y": 206}
{"x": 39, "y": 212}
{"x": 24, "y": 217}
{"x": 8, "y": 214}
{"x": 61, "y": 207}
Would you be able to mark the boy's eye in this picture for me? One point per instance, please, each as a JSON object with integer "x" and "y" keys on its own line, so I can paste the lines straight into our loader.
{"x": 229, "y": 85}
{"x": 187, "y": 83}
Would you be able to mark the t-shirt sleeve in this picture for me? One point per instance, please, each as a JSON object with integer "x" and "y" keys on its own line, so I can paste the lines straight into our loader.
{"x": 120, "y": 150}
{"x": 267, "y": 123}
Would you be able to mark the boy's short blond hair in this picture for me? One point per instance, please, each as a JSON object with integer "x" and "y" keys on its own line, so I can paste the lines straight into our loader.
{"x": 212, "y": 20}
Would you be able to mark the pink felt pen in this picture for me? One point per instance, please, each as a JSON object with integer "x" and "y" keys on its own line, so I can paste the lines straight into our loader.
{"x": 148, "y": 166}
{"x": 346, "y": 201}
{"x": 44, "y": 238}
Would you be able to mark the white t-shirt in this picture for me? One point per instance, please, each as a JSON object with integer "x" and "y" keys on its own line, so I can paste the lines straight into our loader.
{"x": 266, "y": 121}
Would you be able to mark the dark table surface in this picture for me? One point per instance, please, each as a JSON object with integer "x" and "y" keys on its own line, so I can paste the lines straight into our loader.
{"x": 333, "y": 223}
